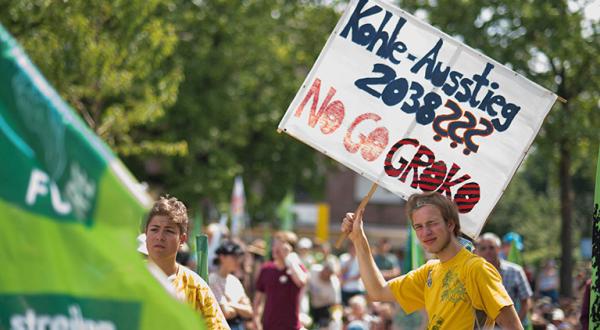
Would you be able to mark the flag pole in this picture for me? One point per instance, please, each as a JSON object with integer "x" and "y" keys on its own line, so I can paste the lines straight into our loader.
{"x": 202, "y": 251}
{"x": 360, "y": 208}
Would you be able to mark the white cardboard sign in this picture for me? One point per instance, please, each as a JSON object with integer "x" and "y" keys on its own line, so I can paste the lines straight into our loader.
{"x": 412, "y": 109}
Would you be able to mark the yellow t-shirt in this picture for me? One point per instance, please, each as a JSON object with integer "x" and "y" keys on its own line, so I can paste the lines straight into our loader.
{"x": 450, "y": 291}
{"x": 191, "y": 288}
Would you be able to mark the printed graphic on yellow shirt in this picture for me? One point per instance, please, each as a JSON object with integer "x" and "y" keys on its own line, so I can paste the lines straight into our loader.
{"x": 452, "y": 288}
{"x": 436, "y": 322}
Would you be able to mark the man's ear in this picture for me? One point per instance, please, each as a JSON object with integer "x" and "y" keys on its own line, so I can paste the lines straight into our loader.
{"x": 451, "y": 225}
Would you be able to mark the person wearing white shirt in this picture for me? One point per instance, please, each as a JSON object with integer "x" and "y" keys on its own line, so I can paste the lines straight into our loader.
{"x": 227, "y": 288}
{"x": 325, "y": 293}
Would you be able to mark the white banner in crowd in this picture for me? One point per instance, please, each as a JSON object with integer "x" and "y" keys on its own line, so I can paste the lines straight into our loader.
{"x": 414, "y": 110}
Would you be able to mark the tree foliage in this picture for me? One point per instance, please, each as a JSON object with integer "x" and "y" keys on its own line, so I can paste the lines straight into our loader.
{"x": 113, "y": 61}
{"x": 243, "y": 62}
{"x": 204, "y": 81}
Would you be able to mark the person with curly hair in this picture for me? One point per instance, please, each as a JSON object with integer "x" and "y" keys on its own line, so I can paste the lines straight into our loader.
{"x": 166, "y": 231}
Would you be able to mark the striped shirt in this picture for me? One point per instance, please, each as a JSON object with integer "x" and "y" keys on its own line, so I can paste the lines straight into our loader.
{"x": 516, "y": 284}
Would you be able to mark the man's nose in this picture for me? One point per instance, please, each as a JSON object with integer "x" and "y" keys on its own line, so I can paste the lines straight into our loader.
{"x": 427, "y": 229}
{"x": 161, "y": 235}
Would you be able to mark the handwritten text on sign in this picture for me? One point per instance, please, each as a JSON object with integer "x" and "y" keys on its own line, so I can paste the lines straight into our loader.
{"x": 393, "y": 99}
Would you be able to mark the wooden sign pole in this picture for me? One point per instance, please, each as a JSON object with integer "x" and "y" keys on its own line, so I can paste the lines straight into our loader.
{"x": 361, "y": 207}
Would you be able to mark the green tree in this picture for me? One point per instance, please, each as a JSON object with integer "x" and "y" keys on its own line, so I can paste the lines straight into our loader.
{"x": 243, "y": 64}
{"x": 527, "y": 212}
{"x": 551, "y": 43}
{"x": 113, "y": 61}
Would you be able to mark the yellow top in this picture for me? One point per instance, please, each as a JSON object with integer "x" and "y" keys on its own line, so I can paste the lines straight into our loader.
{"x": 451, "y": 291}
{"x": 191, "y": 288}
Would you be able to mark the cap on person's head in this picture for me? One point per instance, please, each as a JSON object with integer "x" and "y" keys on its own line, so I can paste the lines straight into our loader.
{"x": 258, "y": 247}
{"x": 141, "y": 240}
{"x": 558, "y": 314}
{"x": 229, "y": 248}
{"x": 288, "y": 237}
{"x": 305, "y": 243}
{"x": 509, "y": 237}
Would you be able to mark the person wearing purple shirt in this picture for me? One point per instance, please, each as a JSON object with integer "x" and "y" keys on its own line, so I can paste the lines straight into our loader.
{"x": 279, "y": 286}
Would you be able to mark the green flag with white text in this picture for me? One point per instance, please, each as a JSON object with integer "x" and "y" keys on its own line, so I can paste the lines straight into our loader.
{"x": 69, "y": 213}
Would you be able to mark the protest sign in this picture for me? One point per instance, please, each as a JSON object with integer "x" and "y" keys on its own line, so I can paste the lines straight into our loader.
{"x": 413, "y": 110}
{"x": 69, "y": 213}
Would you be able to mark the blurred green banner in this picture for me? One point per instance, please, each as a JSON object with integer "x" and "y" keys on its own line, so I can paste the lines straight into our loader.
{"x": 285, "y": 213}
{"x": 69, "y": 213}
{"x": 202, "y": 251}
{"x": 414, "y": 256}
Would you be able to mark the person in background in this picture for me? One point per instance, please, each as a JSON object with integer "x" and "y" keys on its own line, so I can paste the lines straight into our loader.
{"x": 184, "y": 256}
{"x": 507, "y": 241}
{"x": 279, "y": 286}
{"x": 357, "y": 314}
{"x": 215, "y": 232}
{"x": 385, "y": 260}
{"x": 323, "y": 254}
{"x": 557, "y": 320}
{"x": 352, "y": 285}
{"x": 304, "y": 248}
{"x": 384, "y": 316}
{"x": 451, "y": 288}
{"x": 547, "y": 281}
{"x": 324, "y": 292}
{"x": 513, "y": 276}
{"x": 305, "y": 252}
{"x": 253, "y": 261}
{"x": 227, "y": 288}
{"x": 166, "y": 231}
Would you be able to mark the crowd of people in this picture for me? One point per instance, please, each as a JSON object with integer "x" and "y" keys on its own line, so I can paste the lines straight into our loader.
{"x": 291, "y": 283}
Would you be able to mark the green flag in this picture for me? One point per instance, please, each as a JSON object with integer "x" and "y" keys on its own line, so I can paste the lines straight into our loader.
{"x": 285, "y": 213}
{"x": 197, "y": 223}
{"x": 594, "y": 296}
{"x": 69, "y": 213}
{"x": 514, "y": 255}
{"x": 414, "y": 256}
{"x": 202, "y": 266}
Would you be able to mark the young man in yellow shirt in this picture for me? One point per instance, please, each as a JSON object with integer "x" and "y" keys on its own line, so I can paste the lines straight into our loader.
{"x": 450, "y": 288}
{"x": 166, "y": 231}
